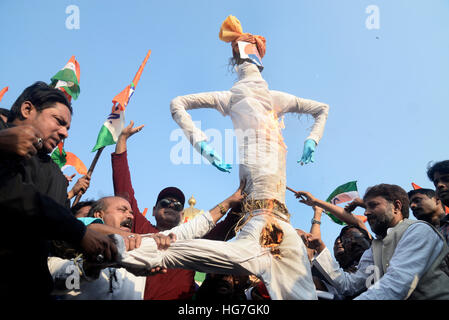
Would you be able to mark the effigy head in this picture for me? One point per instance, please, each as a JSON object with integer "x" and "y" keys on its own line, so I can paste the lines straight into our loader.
{"x": 231, "y": 31}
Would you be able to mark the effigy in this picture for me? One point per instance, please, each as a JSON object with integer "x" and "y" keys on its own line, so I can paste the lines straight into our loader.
{"x": 266, "y": 244}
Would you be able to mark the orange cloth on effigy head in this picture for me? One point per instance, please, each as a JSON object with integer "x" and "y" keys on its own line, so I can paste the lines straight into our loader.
{"x": 231, "y": 31}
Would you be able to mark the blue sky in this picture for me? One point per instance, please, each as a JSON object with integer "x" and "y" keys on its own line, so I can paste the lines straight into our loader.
{"x": 386, "y": 87}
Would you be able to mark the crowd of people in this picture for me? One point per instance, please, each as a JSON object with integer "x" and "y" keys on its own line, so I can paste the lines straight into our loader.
{"x": 66, "y": 252}
{"x": 105, "y": 249}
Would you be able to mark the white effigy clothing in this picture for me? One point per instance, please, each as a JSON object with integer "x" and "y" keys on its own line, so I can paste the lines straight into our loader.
{"x": 287, "y": 278}
{"x": 254, "y": 111}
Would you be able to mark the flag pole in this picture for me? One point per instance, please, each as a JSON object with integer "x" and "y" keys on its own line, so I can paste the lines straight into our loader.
{"x": 89, "y": 172}
{"x": 291, "y": 189}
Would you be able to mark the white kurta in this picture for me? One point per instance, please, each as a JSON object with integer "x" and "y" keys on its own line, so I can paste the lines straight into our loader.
{"x": 254, "y": 111}
{"x": 112, "y": 284}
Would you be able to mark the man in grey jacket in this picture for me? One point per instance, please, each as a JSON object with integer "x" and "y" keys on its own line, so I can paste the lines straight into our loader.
{"x": 408, "y": 260}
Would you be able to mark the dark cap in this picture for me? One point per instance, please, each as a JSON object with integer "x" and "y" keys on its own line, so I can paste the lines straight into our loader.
{"x": 171, "y": 192}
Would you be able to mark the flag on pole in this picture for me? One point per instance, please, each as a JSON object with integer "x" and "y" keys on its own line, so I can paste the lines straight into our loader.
{"x": 65, "y": 159}
{"x": 68, "y": 79}
{"x": 2, "y": 93}
{"x": 344, "y": 193}
{"x": 115, "y": 122}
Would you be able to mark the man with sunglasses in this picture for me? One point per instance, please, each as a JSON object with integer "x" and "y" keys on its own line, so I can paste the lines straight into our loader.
{"x": 175, "y": 284}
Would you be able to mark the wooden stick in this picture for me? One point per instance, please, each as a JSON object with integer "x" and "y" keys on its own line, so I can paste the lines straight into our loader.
{"x": 89, "y": 172}
{"x": 291, "y": 190}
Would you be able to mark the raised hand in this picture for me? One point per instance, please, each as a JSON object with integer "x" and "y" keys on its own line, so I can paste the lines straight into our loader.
{"x": 81, "y": 185}
{"x": 306, "y": 198}
{"x": 127, "y": 132}
{"x": 357, "y": 202}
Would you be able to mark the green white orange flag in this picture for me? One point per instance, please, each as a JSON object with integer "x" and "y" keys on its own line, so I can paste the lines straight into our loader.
{"x": 2, "y": 93}
{"x": 68, "y": 79}
{"x": 65, "y": 159}
{"x": 344, "y": 193}
{"x": 114, "y": 124}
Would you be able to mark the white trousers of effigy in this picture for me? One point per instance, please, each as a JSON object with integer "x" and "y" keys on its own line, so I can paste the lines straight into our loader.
{"x": 287, "y": 278}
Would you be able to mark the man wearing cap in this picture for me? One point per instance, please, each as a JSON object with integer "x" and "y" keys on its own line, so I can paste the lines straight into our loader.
{"x": 175, "y": 284}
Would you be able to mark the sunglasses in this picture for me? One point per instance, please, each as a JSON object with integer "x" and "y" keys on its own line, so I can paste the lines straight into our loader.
{"x": 165, "y": 203}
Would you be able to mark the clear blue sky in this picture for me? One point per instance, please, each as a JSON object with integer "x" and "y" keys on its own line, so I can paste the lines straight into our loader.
{"x": 386, "y": 87}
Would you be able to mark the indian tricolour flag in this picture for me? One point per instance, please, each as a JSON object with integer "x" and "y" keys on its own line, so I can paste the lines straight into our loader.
{"x": 344, "y": 193}
{"x": 115, "y": 122}
{"x": 68, "y": 79}
{"x": 111, "y": 128}
{"x": 65, "y": 159}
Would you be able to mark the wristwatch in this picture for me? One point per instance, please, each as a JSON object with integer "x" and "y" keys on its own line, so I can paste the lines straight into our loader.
{"x": 315, "y": 221}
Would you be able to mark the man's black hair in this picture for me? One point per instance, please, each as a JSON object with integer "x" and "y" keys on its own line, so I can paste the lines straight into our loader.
{"x": 391, "y": 193}
{"x": 363, "y": 231}
{"x": 427, "y": 192}
{"x": 80, "y": 205}
{"x": 42, "y": 96}
{"x": 441, "y": 167}
{"x": 431, "y": 194}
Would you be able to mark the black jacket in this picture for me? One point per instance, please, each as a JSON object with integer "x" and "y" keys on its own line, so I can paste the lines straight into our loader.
{"x": 34, "y": 210}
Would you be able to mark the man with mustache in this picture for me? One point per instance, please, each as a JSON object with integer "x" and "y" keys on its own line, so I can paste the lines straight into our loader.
{"x": 90, "y": 281}
{"x": 33, "y": 191}
{"x": 97, "y": 282}
{"x": 426, "y": 206}
{"x": 174, "y": 284}
{"x": 408, "y": 260}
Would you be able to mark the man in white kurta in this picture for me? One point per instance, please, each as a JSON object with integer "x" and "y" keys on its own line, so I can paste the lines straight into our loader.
{"x": 254, "y": 110}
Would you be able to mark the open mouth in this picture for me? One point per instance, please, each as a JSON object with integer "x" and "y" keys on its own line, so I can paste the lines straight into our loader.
{"x": 126, "y": 225}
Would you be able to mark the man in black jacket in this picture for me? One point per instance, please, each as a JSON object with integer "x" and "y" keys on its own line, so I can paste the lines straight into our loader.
{"x": 33, "y": 195}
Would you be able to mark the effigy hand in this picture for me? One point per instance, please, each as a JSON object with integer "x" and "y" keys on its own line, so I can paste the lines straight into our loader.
{"x": 308, "y": 152}
{"x": 210, "y": 154}
{"x": 222, "y": 166}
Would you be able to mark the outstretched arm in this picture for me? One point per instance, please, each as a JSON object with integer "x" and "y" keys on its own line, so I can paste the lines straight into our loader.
{"x": 121, "y": 176}
{"x": 287, "y": 103}
{"x": 345, "y": 216}
{"x": 218, "y": 100}
{"x": 180, "y": 105}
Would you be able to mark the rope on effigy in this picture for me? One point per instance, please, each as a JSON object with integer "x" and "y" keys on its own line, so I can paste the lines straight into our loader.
{"x": 272, "y": 233}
